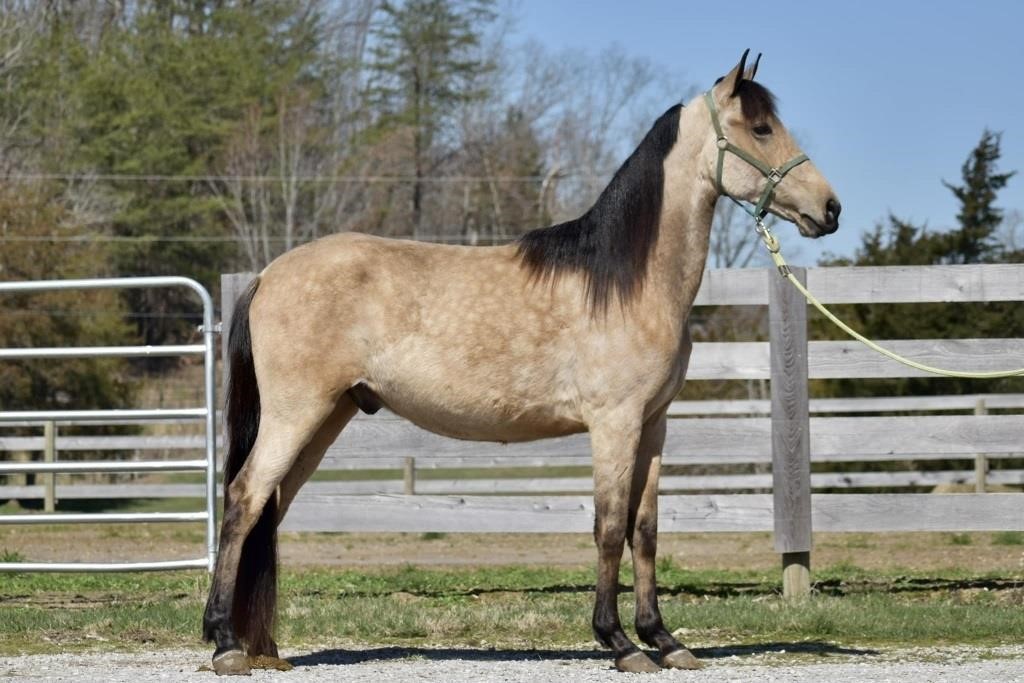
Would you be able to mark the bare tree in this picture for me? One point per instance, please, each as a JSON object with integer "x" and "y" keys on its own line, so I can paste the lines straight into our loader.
{"x": 21, "y": 23}
{"x": 603, "y": 105}
{"x": 538, "y": 148}
{"x": 288, "y": 181}
{"x": 499, "y": 143}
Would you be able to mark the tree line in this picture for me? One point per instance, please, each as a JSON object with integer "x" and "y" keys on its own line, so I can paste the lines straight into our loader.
{"x": 194, "y": 137}
{"x": 983, "y": 233}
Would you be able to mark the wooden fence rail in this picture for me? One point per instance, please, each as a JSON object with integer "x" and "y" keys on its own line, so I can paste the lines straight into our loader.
{"x": 703, "y": 433}
{"x": 791, "y": 432}
{"x": 385, "y": 441}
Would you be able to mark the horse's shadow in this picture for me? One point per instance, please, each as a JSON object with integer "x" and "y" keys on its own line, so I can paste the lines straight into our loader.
{"x": 338, "y": 657}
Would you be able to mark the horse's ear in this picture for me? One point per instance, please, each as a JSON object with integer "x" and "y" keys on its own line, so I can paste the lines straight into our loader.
{"x": 753, "y": 69}
{"x": 731, "y": 82}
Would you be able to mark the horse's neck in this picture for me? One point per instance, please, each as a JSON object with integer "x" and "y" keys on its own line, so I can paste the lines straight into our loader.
{"x": 688, "y": 203}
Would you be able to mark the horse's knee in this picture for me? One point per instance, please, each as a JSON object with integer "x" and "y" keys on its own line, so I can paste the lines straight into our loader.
{"x": 610, "y": 541}
{"x": 643, "y": 534}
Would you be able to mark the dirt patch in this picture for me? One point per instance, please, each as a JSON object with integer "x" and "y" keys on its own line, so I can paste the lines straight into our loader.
{"x": 975, "y": 552}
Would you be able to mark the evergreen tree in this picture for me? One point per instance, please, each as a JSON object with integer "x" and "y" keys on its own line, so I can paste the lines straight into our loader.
{"x": 158, "y": 95}
{"x": 424, "y": 63}
{"x": 83, "y": 318}
{"x": 496, "y": 147}
{"x": 974, "y": 240}
{"x": 902, "y": 243}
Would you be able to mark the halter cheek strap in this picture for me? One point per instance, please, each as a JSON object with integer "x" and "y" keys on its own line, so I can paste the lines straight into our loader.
{"x": 773, "y": 175}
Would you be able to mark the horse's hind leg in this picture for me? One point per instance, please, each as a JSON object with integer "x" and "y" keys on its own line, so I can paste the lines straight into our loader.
{"x": 277, "y": 447}
{"x": 643, "y": 539}
{"x": 313, "y": 452}
{"x": 614, "y": 443}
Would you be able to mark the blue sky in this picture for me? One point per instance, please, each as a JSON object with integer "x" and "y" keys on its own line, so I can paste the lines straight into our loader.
{"x": 888, "y": 98}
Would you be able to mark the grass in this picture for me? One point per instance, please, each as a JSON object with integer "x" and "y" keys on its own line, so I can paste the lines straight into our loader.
{"x": 114, "y": 505}
{"x": 510, "y": 607}
{"x": 1008, "y": 538}
{"x": 960, "y": 539}
{"x": 11, "y": 556}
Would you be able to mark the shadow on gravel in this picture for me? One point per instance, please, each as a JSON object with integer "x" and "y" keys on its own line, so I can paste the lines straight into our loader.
{"x": 804, "y": 647}
{"x": 338, "y": 657}
{"x": 384, "y": 654}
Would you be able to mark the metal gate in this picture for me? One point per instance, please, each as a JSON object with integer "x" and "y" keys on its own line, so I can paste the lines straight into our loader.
{"x": 207, "y": 413}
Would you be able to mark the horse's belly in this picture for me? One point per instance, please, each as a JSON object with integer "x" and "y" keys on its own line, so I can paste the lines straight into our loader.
{"x": 478, "y": 406}
{"x": 472, "y": 426}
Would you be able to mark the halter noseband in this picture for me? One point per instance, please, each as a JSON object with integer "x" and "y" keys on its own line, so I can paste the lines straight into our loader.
{"x": 773, "y": 175}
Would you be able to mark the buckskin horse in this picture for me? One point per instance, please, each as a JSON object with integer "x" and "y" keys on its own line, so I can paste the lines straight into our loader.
{"x": 580, "y": 326}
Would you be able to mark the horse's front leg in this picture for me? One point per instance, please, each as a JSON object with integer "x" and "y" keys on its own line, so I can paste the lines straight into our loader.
{"x": 643, "y": 539}
{"x": 614, "y": 442}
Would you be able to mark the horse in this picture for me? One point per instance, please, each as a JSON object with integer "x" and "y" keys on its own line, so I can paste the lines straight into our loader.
{"x": 580, "y": 326}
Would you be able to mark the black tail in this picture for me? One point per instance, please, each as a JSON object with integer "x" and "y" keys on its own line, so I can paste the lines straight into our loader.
{"x": 253, "y": 609}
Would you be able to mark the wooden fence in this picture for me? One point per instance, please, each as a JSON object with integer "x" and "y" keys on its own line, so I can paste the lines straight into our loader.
{"x": 787, "y": 439}
{"x": 786, "y": 435}
{"x": 366, "y": 450}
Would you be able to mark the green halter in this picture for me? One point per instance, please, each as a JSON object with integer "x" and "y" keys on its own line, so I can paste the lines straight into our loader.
{"x": 774, "y": 175}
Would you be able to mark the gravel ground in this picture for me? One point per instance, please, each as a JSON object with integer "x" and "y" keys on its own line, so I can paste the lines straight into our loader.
{"x": 735, "y": 665}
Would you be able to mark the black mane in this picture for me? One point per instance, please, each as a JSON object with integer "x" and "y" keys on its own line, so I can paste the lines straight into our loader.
{"x": 611, "y": 242}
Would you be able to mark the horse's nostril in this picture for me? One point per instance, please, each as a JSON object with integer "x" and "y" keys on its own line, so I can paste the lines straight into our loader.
{"x": 833, "y": 209}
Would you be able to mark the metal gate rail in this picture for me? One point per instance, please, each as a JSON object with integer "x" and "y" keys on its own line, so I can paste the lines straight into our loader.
{"x": 206, "y": 413}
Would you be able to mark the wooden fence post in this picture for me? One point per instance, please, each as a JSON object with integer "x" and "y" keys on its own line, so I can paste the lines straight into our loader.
{"x": 791, "y": 461}
{"x": 231, "y": 286}
{"x": 49, "y": 455}
{"x": 409, "y": 476}
{"x": 980, "y": 460}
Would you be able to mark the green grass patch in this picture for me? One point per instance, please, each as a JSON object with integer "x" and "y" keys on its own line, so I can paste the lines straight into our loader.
{"x": 11, "y": 556}
{"x": 512, "y": 607}
{"x": 1008, "y": 538}
{"x": 113, "y": 505}
{"x": 960, "y": 539}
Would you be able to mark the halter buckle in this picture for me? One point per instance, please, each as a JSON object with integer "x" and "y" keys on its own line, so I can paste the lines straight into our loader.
{"x": 775, "y": 176}
{"x": 722, "y": 142}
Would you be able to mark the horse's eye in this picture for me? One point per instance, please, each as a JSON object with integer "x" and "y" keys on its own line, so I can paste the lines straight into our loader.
{"x": 762, "y": 130}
